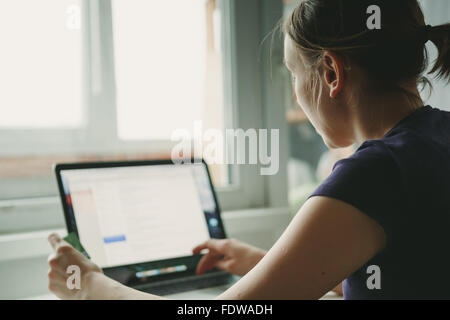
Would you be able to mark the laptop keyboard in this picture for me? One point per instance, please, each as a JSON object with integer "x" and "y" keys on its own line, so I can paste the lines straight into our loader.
{"x": 187, "y": 284}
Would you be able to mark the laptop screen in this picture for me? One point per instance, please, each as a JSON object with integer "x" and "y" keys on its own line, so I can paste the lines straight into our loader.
{"x": 127, "y": 215}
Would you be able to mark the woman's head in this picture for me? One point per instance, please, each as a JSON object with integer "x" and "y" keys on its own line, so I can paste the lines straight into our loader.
{"x": 338, "y": 62}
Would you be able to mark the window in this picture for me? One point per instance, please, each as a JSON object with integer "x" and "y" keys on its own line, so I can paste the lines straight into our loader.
{"x": 41, "y": 65}
{"x": 157, "y": 90}
{"x": 110, "y": 80}
{"x": 168, "y": 70}
{"x": 43, "y": 95}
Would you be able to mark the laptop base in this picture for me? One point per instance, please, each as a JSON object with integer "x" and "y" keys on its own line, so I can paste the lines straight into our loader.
{"x": 187, "y": 284}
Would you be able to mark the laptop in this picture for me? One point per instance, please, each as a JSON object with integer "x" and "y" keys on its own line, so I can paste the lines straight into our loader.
{"x": 140, "y": 220}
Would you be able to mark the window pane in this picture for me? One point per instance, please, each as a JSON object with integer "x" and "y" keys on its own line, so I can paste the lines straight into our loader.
{"x": 168, "y": 67}
{"x": 168, "y": 70}
{"x": 40, "y": 63}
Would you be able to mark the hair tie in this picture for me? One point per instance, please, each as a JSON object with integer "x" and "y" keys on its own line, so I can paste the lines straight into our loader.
{"x": 426, "y": 32}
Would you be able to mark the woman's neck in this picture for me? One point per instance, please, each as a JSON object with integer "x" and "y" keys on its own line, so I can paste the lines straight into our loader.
{"x": 379, "y": 113}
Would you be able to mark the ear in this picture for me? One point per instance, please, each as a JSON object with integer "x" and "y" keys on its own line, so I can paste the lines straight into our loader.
{"x": 333, "y": 72}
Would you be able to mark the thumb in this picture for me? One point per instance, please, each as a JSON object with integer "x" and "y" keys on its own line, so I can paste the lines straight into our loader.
{"x": 55, "y": 240}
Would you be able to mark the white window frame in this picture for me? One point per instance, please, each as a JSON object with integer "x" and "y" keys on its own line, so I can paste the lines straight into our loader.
{"x": 249, "y": 98}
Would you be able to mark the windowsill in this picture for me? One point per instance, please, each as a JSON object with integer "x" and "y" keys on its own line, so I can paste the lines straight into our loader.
{"x": 26, "y": 245}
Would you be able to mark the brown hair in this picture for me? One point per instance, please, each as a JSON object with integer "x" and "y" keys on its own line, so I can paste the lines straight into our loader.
{"x": 389, "y": 55}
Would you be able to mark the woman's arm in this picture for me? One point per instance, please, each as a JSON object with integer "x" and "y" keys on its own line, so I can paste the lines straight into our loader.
{"x": 325, "y": 242}
{"x": 103, "y": 288}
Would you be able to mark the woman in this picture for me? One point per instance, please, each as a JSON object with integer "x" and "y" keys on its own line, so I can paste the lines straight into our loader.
{"x": 380, "y": 221}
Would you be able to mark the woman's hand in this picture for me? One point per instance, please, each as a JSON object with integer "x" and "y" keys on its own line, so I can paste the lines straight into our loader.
{"x": 60, "y": 260}
{"x": 229, "y": 255}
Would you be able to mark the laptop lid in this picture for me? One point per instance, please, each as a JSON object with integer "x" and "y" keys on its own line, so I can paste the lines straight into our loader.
{"x": 139, "y": 220}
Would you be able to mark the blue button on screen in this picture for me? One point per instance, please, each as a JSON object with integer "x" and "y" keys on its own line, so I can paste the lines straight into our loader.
{"x": 117, "y": 238}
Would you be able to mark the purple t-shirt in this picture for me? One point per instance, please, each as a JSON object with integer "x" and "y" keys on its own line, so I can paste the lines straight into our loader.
{"x": 403, "y": 182}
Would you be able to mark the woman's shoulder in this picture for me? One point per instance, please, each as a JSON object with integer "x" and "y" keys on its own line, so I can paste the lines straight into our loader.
{"x": 425, "y": 134}
{"x": 425, "y": 129}
{"x": 372, "y": 155}
{"x": 369, "y": 180}
{"x": 370, "y": 169}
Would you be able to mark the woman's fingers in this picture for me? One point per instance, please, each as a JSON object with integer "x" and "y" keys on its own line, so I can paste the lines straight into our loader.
{"x": 56, "y": 276}
{"x": 199, "y": 248}
{"x": 60, "y": 247}
{"x": 63, "y": 254}
{"x": 57, "y": 283}
{"x": 218, "y": 255}
{"x": 55, "y": 240}
{"x": 54, "y": 261}
{"x": 207, "y": 262}
{"x": 211, "y": 245}
{"x": 225, "y": 264}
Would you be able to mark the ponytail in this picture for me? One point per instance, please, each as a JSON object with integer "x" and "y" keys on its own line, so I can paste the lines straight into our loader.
{"x": 440, "y": 36}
